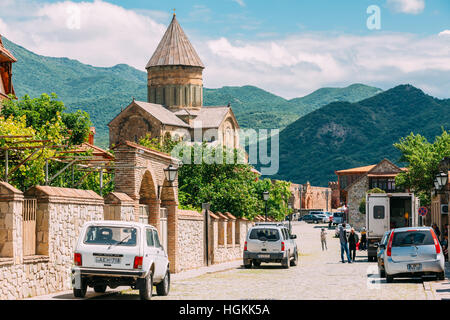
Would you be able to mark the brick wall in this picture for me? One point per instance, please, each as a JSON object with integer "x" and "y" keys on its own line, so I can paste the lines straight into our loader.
{"x": 62, "y": 214}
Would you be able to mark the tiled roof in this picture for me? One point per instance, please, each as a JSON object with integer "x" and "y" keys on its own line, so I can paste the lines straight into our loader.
{"x": 212, "y": 117}
{"x": 5, "y": 53}
{"x": 175, "y": 49}
{"x": 161, "y": 113}
{"x": 357, "y": 170}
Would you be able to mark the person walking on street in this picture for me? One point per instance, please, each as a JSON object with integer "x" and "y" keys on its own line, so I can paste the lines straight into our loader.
{"x": 436, "y": 230}
{"x": 323, "y": 239}
{"x": 352, "y": 241}
{"x": 362, "y": 245}
{"x": 344, "y": 243}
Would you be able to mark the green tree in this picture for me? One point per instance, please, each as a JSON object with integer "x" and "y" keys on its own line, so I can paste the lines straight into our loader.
{"x": 422, "y": 158}
{"x": 362, "y": 204}
{"x": 45, "y": 112}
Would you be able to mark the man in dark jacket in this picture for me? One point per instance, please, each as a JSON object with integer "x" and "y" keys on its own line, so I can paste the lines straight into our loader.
{"x": 352, "y": 241}
{"x": 344, "y": 243}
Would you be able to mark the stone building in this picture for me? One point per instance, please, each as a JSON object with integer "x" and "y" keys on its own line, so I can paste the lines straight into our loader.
{"x": 354, "y": 183}
{"x": 315, "y": 198}
{"x": 335, "y": 198}
{"x": 174, "y": 103}
{"x": 6, "y": 61}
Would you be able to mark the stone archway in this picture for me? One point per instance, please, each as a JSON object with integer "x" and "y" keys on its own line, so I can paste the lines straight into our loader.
{"x": 148, "y": 199}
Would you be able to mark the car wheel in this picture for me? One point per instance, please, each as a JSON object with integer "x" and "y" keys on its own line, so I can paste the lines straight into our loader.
{"x": 80, "y": 293}
{"x": 389, "y": 278}
{"x": 441, "y": 276}
{"x": 100, "y": 288}
{"x": 294, "y": 261}
{"x": 285, "y": 263}
{"x": 382, "y": 273}
{"x": 248, "y": 265}
{"x": 256, "y": 263}
{"x": 146, "y": 289}
{"x": 162, "y": 288}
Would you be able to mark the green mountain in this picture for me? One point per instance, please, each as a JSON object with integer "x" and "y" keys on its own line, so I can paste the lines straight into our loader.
{"x": 257, "y": 109}
{"x": 343, "y": 135}
{"x": 102, "y": 92}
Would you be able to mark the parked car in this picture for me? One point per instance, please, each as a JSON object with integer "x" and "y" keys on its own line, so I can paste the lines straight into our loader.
{"x": 338, "y": 217}
{"x": 380, "y": 253}
{"x": 348, "y": 228}
{"x": 120, "y": 253}
{"x": 312, "y": 218}
{"x": 270, "y": 242}
{"x": 327, "y": 217}
{"x": 413, "y": 251}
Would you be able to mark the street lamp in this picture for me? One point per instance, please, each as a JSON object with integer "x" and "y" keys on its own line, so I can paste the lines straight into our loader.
{"x": 266, "y": 197}
{"x": 441, "y": 180}
{"x": 171, "y": 173}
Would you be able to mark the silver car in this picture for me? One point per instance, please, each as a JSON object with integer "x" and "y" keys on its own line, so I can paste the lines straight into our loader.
{"x": 413, "y": 251}
{"x": 270, "y": 242}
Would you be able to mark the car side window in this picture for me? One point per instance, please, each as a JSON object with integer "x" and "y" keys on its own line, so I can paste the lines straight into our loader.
{"x": 149, "y": 234}
{"x": 285, "y": 234}
{"x": 157, "y": 243}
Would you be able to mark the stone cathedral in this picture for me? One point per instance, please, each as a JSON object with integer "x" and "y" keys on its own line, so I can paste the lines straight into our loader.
{"x": 175, "y": 99}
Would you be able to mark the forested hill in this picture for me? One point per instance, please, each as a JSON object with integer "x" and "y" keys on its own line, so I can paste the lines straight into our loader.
{"x": 102, "y": 92}
{"x": 343, "y": 135}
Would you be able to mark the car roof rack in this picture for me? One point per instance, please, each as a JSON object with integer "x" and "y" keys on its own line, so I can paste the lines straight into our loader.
{"x": 270, "y": 224}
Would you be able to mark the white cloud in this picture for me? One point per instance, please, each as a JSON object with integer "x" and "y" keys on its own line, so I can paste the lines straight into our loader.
{"x": 290, "y": 66}
{"x": 407, "y": 6}
{"x": 240, "y": 2}
{"x": 305, "y": 62}
{"x": 98, "y": 33}
{"x": 445, "y": 33}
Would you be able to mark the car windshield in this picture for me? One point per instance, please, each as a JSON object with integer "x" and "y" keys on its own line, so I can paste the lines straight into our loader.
{"x": 111, "y": 235}
{"x": 265, "y": 234}
{"x": 337, "y": 214}
{"x": 412, "y": 238}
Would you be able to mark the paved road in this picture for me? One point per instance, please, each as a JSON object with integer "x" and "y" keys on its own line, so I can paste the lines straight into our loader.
{"x": 319, "y": 275}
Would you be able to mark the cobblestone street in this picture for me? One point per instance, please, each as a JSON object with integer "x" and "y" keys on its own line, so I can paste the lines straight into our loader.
{"x": 319, "y": 275}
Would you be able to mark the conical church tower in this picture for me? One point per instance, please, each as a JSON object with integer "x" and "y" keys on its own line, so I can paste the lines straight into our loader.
{"x": 175, "y": 72}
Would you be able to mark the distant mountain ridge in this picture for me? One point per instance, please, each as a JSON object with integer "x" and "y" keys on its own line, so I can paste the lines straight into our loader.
{"x": 102, "y": 92}
{"x": 344, "y": 135}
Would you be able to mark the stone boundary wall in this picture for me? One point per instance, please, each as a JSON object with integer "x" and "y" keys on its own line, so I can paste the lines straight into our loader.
{"x": 61, "y": 212}
{"x": 191, "y": 238}
{"x": 191, "y": 235}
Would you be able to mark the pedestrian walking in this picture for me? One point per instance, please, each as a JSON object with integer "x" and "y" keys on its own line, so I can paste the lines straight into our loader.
{"x": 323, "y": 239}
{"x": 352, "y": 241}
{"x": 436, "y": 230}
{"x": 363, "y": 243}
{"x": 344, "y": 243}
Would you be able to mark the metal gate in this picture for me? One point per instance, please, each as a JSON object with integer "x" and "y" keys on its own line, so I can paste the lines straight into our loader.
{"x": 29, "y": 227}
{"x": 163, "y": 221}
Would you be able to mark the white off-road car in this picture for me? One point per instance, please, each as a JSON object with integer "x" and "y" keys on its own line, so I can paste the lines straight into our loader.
{"x": 120, "y": 253}
{"x": 270, "y": 242}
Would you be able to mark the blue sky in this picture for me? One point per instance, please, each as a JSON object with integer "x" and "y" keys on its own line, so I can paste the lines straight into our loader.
{"x": 252, "y": 18}
{"x": 287, "y": 47}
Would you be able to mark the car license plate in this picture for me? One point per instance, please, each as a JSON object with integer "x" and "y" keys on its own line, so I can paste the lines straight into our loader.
{"x": 108, "y": 260}
{"x": 414, "y": 267}
{"x": 263, "y": 256}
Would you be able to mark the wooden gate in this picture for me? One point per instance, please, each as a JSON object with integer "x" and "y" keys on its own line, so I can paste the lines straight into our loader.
{"x": 29, "y": 227}
{"x": 163, "y": 221}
